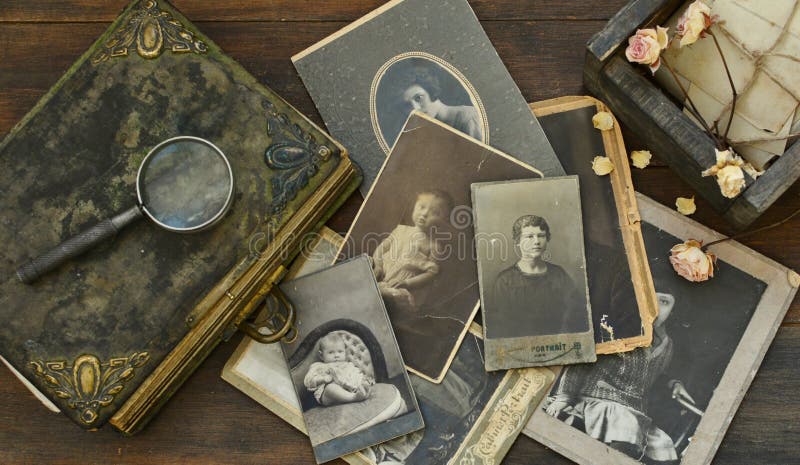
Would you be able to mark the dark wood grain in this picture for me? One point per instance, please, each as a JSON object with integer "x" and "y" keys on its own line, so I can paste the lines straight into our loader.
{"x": 209, "y": 421}
{"x": 295, "y": 10}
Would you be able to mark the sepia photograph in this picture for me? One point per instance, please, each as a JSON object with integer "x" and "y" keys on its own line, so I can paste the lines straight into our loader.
{"x": 423, "y": 82}
{"x": 672, "y": 402}
{"x": 416, "y": 225}
{"x": 345, "y": 364}
{"x": 532, "y": 273}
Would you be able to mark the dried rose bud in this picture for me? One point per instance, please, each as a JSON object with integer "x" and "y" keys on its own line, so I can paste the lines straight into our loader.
{"x": 685, "y": 205}
{"x": 691, "y": 262}
{"x": 646, "y": 45}
{"x": 641, "y": 158}
{"x": 602, "y": 166}
{"x": 603, "y": 121}
{"x": 693, "y": 23}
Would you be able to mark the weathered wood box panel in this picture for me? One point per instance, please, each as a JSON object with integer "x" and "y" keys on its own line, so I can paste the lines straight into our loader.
{"x": 647, "y": 110}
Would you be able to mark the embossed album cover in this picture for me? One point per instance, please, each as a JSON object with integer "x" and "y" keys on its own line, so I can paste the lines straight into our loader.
{"x": 425, "y": 55}
{"x": 110, "y": 334}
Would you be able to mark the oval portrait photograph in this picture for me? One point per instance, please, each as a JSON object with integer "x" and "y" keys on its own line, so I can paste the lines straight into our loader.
{"x": 420, "y": 81}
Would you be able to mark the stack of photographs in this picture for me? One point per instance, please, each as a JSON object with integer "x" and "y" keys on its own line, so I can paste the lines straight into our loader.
{"x": 416, "y": 225}
{"x": 673, "y": 401}
{"x": 471, "y": 415}
{"x": 424, "y": 55}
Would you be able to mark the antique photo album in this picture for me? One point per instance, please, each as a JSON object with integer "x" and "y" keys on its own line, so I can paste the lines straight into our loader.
{"x": 367, "y": 78}
{"x": 673, "y": 401}
{"x": 416, "y": 225}
{"x": 532, "y": 272}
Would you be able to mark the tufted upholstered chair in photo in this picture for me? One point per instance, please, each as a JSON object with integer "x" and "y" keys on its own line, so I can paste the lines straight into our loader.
{"x": 364, "y": 351}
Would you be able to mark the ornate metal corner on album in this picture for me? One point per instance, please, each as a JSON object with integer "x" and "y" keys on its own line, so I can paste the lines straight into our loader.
{"x": 88, "y": 385}
{"x": 294, "y": 154}
{"x": 149, "y": 31}
{"x": 276, "y": 322}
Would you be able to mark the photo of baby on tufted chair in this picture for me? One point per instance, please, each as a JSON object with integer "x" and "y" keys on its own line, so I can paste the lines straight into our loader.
{"x": 363, "y": 399}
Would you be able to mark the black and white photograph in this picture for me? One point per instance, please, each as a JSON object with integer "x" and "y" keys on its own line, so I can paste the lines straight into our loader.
{"x": 423, "y": 82}
{"x": 345, "y": 364}
{"x": 367, "y": 77}
{"x": 532, "y": 272}
{"x": 620, "y": 285}
{"x": 450, "y": 409}
{"x": 672, "y": 402}
{"x": 416, "y": 225}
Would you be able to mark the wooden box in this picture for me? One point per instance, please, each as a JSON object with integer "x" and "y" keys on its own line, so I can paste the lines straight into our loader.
{"x": 647, "y": 110}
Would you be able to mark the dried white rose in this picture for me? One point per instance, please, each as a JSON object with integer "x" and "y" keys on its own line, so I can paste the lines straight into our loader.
{"x": 693, "y": 23}
{"x": 685, "y": 206}
{"x": 603, "y": 121}
{"x": 731, "y": 180}
{"x": 602, "y": 166}
{"x": 641, "y": 158}
{"x": 729, "y": 173}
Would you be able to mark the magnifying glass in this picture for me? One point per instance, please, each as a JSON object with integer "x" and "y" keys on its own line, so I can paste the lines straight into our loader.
{"x": 184, "y": 185}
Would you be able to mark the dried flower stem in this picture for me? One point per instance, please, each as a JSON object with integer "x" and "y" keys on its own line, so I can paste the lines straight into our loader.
{"x": 730, "y": 80}
{"x": 748, "y": 233}
{"x": 792, "y": 135}
{"x": 692, "y": 107}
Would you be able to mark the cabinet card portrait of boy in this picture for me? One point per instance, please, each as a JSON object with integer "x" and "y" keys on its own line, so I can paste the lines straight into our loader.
{"x": 416, "y": 225}
{"x": 345, "y": 365}
{"x": 429, "y": 56}
{"x": 532, "y": 272}
{"x": 672, "y": 402}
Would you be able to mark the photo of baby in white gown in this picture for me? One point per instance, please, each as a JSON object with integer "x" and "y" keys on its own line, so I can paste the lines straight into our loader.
{"x": 333, "y": 379}
{"x": 405, "y": 263}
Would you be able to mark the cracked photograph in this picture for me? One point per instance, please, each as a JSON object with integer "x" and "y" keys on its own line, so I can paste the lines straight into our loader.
{"x": 416, "y": 225}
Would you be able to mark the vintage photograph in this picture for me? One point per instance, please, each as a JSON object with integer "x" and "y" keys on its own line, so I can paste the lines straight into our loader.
{"x": 671, "y": 402}
{"x": 367, "y": 77}
{"x": 450, "y": 410}
{"x": 532, "y": 272}
{"x": 416, "y": 225}
{"x": 620, "y": 285}
{"x": 423, "y": 82}
{"x": 345, "y": 364}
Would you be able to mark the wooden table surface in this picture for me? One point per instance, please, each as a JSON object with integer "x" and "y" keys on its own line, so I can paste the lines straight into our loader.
{"x": 210, "y": 422}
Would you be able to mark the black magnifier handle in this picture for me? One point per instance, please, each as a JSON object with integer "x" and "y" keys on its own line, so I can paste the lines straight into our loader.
{"x": 76, "y": 245}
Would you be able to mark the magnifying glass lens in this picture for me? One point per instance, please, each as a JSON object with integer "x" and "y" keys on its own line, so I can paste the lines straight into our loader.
{"x": 185, "y": 184}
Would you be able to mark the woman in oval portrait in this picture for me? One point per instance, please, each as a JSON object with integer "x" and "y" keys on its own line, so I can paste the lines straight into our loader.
{"x": 535, "y": 295}
{"x": 421, "y": 84}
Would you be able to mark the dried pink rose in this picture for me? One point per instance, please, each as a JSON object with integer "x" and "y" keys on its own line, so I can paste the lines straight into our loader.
{"x": 691, "y": 262}
{"x": 693, "y": 23}
{"x": 646, "y": 45}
